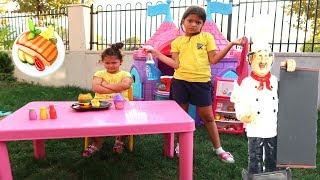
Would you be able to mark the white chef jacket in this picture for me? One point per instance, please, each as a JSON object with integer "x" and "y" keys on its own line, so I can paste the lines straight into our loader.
{"x": 263, "y": 103}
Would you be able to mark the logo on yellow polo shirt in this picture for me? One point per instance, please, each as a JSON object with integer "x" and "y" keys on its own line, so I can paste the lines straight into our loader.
{"x": 199, "y": 46}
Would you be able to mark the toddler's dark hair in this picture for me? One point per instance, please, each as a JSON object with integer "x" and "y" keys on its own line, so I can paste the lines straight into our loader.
{"x": 197, "y": 10}
{"x": 113, "y": 50}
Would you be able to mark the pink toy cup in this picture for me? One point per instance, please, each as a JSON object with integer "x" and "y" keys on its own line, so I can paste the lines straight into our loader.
{"x": 32, "y": 114}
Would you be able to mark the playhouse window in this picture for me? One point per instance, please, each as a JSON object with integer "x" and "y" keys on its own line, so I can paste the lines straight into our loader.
{"x": 230, "y": 74}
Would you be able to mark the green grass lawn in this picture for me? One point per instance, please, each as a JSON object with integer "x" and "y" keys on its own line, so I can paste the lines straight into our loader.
{"x": 63, "y": 157}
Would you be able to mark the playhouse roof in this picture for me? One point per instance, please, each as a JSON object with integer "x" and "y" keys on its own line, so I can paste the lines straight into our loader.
{"x": 211, "y": 27}
{"x": 166, "y": 33}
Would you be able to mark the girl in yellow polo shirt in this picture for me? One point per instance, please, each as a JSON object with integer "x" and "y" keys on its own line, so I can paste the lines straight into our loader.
{"x": 105, "y": 84}
{"x": 192, "y": 55}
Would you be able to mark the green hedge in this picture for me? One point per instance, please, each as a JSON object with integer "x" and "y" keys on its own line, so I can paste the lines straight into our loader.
{"x": 6, "y": 67}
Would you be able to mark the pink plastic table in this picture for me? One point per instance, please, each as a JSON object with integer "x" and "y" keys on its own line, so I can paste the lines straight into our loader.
{"x": 138, "y": 117}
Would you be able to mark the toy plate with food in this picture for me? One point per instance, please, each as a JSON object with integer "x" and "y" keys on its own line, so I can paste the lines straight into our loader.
{"x": 38, "y": 51}
{"x": 93, "y": 106}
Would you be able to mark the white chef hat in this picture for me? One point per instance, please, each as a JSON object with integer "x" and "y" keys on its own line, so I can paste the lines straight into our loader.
{"x": 259, "y": 30}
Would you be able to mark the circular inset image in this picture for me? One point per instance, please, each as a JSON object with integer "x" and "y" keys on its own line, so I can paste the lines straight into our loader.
{"x": 38, "y": 52}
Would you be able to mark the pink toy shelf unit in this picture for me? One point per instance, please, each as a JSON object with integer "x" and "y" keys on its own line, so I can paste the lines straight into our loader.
{"x": 223, "y": 109}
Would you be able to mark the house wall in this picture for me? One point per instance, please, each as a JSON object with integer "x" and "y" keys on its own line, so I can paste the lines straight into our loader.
{"x": 78, "y": 68}
{"x": 220, "y": 68}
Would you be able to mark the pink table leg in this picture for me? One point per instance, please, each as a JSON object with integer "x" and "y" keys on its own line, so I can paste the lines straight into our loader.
{"x": 39, "y": 149}
{"x": 168, "y": 145}
{"x": 185, "y": 155}
{"x": 5, "y": 170}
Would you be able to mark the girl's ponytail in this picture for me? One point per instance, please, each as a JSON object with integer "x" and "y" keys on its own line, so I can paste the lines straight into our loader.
{"x": 117, "y": 46}
{"x": 113, "y": 50}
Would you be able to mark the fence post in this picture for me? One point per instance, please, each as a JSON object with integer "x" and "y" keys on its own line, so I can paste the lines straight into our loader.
{"x": 79, "y": 27}
{"x": 229, "y": 24}
{"x": 91, "y": 27}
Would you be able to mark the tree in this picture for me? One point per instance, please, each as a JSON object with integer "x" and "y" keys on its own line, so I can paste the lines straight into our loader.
{"x": 3, "y": 6}
{"x": 39, "y": 6}
{"x": 5, "y": 41}
{"x": 307, "y": 11}
{"x": 45, "y": 5}
{"x": 316, "y": 47}
{"x": 132, "y": 43}
{"x": 6, "y": 67}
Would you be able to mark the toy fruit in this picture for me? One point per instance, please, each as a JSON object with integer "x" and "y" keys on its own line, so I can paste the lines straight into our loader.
{"x": 95, "y": 103}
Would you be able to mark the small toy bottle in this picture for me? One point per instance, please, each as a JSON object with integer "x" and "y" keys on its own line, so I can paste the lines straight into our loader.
{"x": 32, "y": 114}
{"x": 43, "y": 113}
{"x": 52, "y": 112}
{"x": 152, "y": 71}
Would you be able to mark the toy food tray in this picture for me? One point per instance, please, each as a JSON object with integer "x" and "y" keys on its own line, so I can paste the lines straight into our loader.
{"x": 103, "y": 106}
{"x": 231, "y": 131}
{"x": 230, "y": 128}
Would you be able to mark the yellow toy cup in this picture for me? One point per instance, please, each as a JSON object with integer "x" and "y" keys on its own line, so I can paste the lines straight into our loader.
{"x": 43, "y": 113}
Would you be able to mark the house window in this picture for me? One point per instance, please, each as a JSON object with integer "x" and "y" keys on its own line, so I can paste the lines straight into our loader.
{"x": 230, "y": 75}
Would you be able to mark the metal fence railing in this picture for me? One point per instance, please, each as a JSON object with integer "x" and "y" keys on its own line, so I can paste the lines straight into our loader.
{"x": 294, "y": 22}
{"x": 16, "y": 23}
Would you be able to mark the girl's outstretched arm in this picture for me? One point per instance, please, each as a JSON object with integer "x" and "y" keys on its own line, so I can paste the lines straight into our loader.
{"x": 215, "y": 57}
{"x": 172, "y": 62}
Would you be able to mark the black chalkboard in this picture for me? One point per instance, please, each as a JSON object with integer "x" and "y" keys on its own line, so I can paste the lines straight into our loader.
{"x": 297, "y": 118}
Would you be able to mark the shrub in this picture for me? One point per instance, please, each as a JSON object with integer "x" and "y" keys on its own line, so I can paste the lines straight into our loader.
{"x": 316, "y": 45}
{"x": 6, "y": 37}
{"x": 6, "y": 67}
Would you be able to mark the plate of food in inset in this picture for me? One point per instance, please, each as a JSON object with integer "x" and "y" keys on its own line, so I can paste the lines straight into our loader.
{"x": 38, "y": 51}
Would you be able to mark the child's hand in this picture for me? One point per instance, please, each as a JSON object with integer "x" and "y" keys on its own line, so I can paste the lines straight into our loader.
{"x": 239, "y": 41}
{"x": 150, "y": 49}
{"x": 147, "y": 49}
